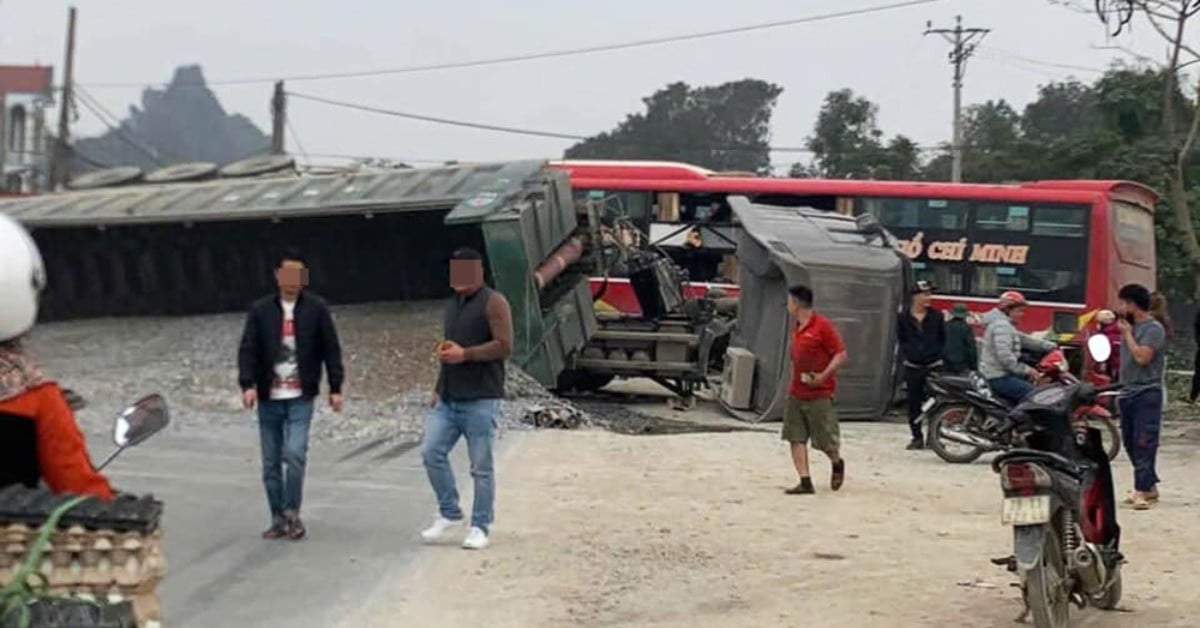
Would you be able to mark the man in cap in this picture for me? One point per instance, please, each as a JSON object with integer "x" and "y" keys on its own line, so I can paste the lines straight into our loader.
{"x": 921, "y": 332}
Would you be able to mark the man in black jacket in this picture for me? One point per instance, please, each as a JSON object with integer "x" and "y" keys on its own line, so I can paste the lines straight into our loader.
{"x": 921, "y": 331}
{"x": 288, "y": 337}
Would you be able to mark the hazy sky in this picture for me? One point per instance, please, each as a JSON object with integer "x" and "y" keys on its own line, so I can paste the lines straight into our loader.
{"x": 882, "y": 56}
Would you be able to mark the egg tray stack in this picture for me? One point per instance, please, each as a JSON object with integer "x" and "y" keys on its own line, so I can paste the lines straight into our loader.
{"x": 107, "y": 551}
{"x": 76, "y": 613}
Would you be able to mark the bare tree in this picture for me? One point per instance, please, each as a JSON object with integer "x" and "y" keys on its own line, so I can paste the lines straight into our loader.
{"x": 1169, "y": 19}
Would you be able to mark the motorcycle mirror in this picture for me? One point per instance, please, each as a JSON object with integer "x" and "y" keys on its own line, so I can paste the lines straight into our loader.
{"x": 141, "y": 421}
{"x": 1099, "y": 348}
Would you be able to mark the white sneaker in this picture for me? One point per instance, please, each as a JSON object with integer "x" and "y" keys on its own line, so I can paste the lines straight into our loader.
{"x": 438, "y": 530}
{"x": 476, "y": 539}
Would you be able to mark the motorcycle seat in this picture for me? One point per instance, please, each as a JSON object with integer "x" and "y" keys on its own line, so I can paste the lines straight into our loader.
{"x": 1060, "y": 463}
{"x": 988, "y": 402}
{"x": 957, "y": 382}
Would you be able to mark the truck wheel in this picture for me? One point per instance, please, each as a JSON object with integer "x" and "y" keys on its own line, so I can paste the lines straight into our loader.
{"x": 582, "y": 381}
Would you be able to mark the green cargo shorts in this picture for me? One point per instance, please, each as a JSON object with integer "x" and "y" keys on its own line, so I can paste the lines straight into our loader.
{"x": 815, "y": 420}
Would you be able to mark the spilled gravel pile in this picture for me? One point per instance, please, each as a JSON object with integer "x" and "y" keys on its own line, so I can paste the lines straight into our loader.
{"x": 192, "y": 361}
{"x": 390, "y": 373}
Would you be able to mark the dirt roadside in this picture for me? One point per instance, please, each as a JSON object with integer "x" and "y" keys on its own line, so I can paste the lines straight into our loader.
{"x": 601, "y": 529}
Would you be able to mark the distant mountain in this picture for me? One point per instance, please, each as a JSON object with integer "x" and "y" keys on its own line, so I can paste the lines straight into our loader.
{"x": 184, "y": 122}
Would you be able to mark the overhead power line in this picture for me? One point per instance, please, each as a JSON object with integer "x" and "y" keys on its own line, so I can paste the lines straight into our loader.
{"x": 503, "y": 129}
{"x": 436, "y": 120}
{"x": 1048, "y": 64}
{"x": 540, "y": 133}
{"x": 296, "y": 137}
{"x": 640, "y": 43}
{"x": 109, "y": 120}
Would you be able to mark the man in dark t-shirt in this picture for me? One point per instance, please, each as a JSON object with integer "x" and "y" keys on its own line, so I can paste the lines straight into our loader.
{"x": 478, "y": 339}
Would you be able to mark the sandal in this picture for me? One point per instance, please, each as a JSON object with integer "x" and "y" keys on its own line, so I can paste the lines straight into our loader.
{"x": 296, "y": 529}
{"x": 839, "y": 474}
{"x": 278, "y": 530}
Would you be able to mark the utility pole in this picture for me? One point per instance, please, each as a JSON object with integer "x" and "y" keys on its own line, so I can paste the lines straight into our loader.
{"x": 964, "y": 41}
{"x": 60, "y": 169}
{"x": 278, "y": 118}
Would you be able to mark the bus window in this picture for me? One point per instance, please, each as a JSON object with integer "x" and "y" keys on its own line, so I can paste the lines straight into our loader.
{"x": 632, "y": 205}
{"x": 918, "y": 213}
{"x": 1060, "y": 222}
{"x": 705, "y": 208}
{"x": 1037, "y": 283}
{"x": 1001, "y": 217}
{"x": 1135, "y": 233}
{"x": 667, "y": 208}
{"x": 948, "y": 278}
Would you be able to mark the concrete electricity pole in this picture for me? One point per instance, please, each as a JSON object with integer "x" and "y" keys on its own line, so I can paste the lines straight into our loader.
{"x": 278, "y": 118}
{"x": 60, "y": 168}
{"x": 964, "y": 41}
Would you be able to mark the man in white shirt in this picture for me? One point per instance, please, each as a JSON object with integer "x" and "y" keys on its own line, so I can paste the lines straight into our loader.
{"x": 288, "y": 336}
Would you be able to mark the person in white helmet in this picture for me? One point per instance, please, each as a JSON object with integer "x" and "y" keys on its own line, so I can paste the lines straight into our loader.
{"x": 39, "y": 439}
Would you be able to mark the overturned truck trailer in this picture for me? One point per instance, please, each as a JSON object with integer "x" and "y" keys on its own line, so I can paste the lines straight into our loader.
{"x": 190, "y": 248}
{"x": 858, "y": 278}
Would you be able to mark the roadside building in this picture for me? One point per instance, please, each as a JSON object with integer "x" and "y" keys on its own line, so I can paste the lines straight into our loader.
{"x": 26, "y": 92}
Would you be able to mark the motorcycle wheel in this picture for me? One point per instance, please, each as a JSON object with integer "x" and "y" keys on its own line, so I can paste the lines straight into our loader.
{"x": 946, "y": 418}
{"x": 1110, "y": 433}
{"x": 1048, "y": 602}
{"x": 1111, "y": 597}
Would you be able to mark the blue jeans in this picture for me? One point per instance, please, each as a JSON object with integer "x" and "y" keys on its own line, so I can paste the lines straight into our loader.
{"x": 1011, "y": 388}
{"x": 1141, "y": 425}
{"x": 451, "y": 420}
{"x": 283, "y": 433}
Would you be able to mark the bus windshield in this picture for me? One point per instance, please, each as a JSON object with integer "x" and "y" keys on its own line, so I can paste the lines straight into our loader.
{"x": 980, "y": 248}
{"x": 1135, "y": 233}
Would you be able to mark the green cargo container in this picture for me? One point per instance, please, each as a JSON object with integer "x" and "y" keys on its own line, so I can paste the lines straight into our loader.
{"x": 521, "y": 226}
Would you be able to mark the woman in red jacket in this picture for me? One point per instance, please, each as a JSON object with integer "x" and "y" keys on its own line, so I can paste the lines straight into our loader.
{"x": 39, "y": 439}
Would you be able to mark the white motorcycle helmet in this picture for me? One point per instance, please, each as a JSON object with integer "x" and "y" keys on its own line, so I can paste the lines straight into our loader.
{"x": 22, "y": 277}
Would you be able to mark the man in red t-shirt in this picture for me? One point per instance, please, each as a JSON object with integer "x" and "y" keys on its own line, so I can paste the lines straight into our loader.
{"x": 817, "y": 353}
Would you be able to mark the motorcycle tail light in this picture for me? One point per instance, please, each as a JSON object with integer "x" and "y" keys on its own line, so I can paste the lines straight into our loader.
{"x": 1023, "y": 477}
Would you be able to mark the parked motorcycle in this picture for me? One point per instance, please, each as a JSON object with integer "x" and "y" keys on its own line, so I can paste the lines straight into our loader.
{"x": 963, "y": 417}
{"x": 1060, "y": 502}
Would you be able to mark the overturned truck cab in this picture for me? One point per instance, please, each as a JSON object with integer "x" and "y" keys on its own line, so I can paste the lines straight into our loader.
{"x": 542, "y": 255}
{"x": 858, "y": 277}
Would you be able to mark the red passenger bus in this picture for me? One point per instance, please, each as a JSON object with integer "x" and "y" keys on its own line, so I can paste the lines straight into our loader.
{"x": 1067, "y": 245}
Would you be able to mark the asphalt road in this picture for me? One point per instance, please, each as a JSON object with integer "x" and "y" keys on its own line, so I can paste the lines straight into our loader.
{"x": 363, "y": 507}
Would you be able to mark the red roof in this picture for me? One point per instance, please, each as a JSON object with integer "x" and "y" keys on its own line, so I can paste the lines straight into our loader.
{"x": 26, "y": 79}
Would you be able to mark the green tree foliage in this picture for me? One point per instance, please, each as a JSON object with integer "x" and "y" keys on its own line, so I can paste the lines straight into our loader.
{"x": 723, "y": 127}
{"x": 847, "y": 143}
